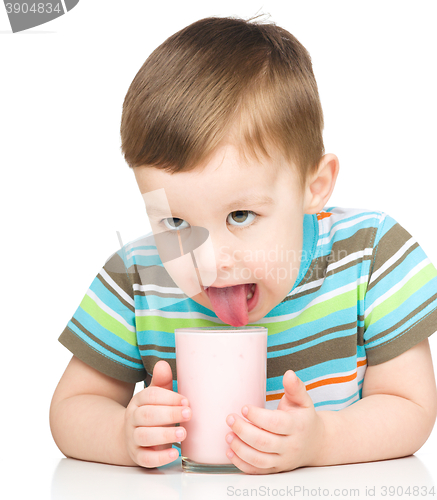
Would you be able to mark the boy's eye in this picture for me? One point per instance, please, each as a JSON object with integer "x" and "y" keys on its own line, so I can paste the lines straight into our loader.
{"x": 174, "y": 223}
{"x": 242, "y": 218}
{"x": 238, "y": 218}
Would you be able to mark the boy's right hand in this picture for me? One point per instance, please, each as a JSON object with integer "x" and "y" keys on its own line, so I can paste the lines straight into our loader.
{"x": 149, "y": 417}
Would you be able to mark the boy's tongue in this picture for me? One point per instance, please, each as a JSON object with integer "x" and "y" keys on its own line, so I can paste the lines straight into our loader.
{"x": 230, "y": 303}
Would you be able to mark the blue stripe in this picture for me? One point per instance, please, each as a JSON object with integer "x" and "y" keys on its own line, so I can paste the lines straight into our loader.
{"x": 102, "y": 350}
{"x": 403, "y": 310}
{"x": 349, "y": 231}
{"x": 314, "y": 342}
{"x": 336, "y": 401}
{"x": 112, "y": 301}
{"x": 104, "y": 335}
{"x": 395, "y": 276}
{"x": 402, "y": 330}
{"x": 156, "y": 337}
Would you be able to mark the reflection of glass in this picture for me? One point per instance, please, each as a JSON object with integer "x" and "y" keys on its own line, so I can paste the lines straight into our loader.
{"x": 76, "y": 479}
{"x": 219, "y": 370}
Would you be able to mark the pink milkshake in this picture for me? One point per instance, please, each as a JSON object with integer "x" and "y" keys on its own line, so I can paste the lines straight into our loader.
{"x": 219, "y": 370}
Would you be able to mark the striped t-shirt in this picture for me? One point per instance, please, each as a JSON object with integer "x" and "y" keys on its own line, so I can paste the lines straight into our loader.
{"x": 365, "y": 293}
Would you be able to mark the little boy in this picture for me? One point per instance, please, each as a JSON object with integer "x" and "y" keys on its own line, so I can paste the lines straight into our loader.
{"x": 223, "y": 129}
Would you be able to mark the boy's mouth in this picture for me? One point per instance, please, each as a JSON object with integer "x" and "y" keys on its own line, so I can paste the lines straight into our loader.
{"x": 233, "y": 303}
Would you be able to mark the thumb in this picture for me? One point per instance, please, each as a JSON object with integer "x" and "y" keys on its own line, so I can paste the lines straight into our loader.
{"x": 162, "y": 375}
{"x": 295, "y": 393}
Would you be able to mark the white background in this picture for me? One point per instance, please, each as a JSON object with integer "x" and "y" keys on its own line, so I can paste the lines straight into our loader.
{"x": 66, "y": 189}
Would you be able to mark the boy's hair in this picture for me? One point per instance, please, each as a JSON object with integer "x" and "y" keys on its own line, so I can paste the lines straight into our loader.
{"x": 222, "y": 76}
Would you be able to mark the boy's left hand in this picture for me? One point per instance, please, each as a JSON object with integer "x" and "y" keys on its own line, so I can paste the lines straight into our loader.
{"x": 277, "y": 440}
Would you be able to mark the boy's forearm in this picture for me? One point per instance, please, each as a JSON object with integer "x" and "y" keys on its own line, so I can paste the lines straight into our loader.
{"x": 376, "y": 427}
{"x": 90, "y": 427}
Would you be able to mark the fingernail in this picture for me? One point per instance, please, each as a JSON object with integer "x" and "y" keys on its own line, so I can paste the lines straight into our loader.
{"x": 180, "y": 433}
{"x": 229, "y": 438}
{"x": 173, "y": 453}
{"x": 230, "y": 420}
{"x": 184, "y": 402}
{"x": 186, "y": 413}
{"x": 229, "y": 453}
{"x": 245, "y": 410}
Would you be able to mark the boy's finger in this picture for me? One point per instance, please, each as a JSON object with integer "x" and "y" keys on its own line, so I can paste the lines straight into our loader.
{"x": 162, "y": 375}
{"x": 159, "y": 396}
{"x": 258, "y": 439}
{"x": 246, "y": 467}
{"x": 157, "y": 416}
{"x": 154, "y": 436}
{"x": 155, "y": 458}
{"x": 276, "y": 421}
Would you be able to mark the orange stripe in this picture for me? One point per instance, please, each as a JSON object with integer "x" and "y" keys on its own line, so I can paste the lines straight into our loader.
{"x": 334, "y": 380}
{"x": 323, "y": 215}
{"x": 271, "y": 397}
{"x": 320, "y": 383}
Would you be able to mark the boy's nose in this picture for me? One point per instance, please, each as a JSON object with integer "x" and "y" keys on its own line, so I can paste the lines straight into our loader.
{"x": 214, "y": 259}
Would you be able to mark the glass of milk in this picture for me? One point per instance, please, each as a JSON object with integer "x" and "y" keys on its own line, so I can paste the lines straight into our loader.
{"x": 219, "y": 370}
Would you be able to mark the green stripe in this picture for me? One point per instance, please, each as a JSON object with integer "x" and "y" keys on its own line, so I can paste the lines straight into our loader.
{"x": 361, "y": 291}
{"x": 327, "y": 307}
{"x": 318, "y": 311}
{"x": 162, "y": 324}
{"x": 107, "y": 321}
{"x": 410, "y": 288}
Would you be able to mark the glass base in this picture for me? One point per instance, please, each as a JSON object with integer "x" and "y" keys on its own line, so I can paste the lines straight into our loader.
{"x": 191, "y": 466}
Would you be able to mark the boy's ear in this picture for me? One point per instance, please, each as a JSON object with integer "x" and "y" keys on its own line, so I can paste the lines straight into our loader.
{"x": 320, "y": 185}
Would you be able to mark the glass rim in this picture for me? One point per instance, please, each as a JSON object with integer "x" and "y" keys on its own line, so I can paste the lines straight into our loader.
{"x": 225, "y": 329}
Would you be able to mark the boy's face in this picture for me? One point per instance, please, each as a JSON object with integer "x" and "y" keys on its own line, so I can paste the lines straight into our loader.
{"x": 253, "y": 242}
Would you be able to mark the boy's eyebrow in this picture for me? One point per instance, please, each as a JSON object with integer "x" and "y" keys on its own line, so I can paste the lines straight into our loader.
{"x": 252, "y": 200}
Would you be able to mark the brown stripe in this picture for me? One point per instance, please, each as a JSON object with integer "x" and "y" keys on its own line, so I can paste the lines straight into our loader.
{"x": 114, "y": 292}
{"x": 146, "y": 347}
{"x": 291, "y": 345}
{"x": 157, "y": 275}
{"x": 98, "y": 361}
{"x": 389, "y": 244}
{"x": 326, "y": 351}
{"x": 150, "y": 361}
{"x": 124, "y": 278}
{"x": 392, "y": 267}
{"x": 101, "y": 343}
{"x": 360, "y": 335}
{"x": 156, "y": 293}
{"x": 364, "y": 238}
{"x": 404, "y": 320}
{"x": 398, "y": 345}
{"x": 314, "y": 267}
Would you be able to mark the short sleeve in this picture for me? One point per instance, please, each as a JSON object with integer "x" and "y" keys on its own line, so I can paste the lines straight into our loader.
{"x": 400, "y": 304}
{"x": 102, "y": 331}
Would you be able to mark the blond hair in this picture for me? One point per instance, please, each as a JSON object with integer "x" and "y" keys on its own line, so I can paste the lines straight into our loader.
{"x": 218, "y": 75}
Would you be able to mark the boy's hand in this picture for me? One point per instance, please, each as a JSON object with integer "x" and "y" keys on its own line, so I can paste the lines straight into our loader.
{"x": 277, "y": 440}
{"x": 148, "y": 419}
